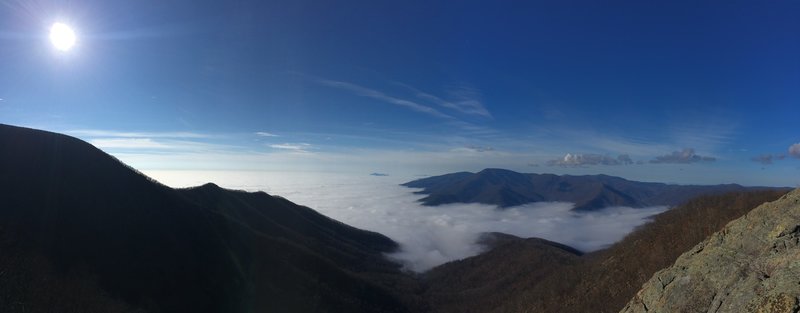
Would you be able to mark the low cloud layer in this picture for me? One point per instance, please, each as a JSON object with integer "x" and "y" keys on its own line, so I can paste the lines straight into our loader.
{"x": 429, "y": 236}
{"x": 575, "y": 160}
{"x": 685, "y": 156}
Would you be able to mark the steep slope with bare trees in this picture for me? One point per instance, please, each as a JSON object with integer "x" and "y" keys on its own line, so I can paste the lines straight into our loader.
{"x": 529, "y": 275}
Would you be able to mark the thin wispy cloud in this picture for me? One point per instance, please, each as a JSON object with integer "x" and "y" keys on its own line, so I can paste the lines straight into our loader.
{"x": 293, "y": 147}
{"x": 685, "y": 156}
{"x": 111, "y": 133}
{"x": 158, "y": 143}
{"x": 154, "y": 144}
{"x": 708, "y": 133}
{"x": 266, "y": 134}
{"x": 578, "y": 160}
{"x": 471, "y": 129}
{"x": 479, "y": 148}
{"x": 598, "y": 141}
{"x": 466, "y": 100}
{"x": 128, "y": 143}
{"x": 374, "y": 94}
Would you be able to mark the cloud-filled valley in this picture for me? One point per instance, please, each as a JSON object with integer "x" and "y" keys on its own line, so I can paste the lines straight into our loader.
{"x": 429, "y": 236}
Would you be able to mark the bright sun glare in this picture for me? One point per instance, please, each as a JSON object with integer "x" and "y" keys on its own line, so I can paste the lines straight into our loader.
{"x": 62, "y": 36}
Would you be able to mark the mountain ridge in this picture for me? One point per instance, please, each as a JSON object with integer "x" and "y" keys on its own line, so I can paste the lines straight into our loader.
{"x": 506, "y": 188}
{"x": 80, "y": 230}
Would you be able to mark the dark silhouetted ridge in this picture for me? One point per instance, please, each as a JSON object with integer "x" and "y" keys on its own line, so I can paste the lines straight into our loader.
{"x": 81, "y": 232}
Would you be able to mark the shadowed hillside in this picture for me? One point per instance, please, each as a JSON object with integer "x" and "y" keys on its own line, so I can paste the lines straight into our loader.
{"x": 532, "y": 275}
{"x": 506, "y": 188}
{"x": 82, "y": 232}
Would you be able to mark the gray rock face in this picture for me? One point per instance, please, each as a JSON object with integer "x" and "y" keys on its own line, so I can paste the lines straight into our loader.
{"x": 751, "y": 265}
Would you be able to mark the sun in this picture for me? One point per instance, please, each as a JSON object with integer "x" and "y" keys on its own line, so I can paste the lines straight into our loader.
{"x": 62, "y": 36}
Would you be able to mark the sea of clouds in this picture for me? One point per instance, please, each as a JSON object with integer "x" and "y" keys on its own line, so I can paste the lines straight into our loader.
{"x": 429, "y": 236}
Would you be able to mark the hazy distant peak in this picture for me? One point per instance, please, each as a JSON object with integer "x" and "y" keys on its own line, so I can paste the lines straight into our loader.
{"x": 506, "y": 188}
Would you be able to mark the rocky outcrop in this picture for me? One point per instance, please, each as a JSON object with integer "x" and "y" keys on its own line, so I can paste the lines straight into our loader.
{"x": 751, "y": 265}
{"x": 530, "y": 275}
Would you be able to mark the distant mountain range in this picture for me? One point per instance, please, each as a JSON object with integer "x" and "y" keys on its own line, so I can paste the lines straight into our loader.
{"x": 81, "y": 232}
{"x": 506, "y": 188}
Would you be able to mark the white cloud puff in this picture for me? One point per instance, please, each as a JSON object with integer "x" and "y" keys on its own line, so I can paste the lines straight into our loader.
{"x": 576, "y": 160}
{"x": 794, "y": 150}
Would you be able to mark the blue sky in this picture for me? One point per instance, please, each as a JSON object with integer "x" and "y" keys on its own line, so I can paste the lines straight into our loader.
{"x": 687, "y": 92}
